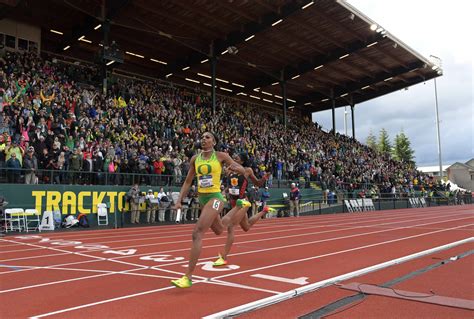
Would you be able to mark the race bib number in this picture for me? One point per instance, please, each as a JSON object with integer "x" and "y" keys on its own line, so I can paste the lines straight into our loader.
{"x": 205, "y": 181}
{"x": 234, "y": 191}
{"x": 216, "y": 204}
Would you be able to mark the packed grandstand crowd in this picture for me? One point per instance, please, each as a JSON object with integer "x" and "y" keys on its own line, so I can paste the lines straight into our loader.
{"x": 53, "y": 118}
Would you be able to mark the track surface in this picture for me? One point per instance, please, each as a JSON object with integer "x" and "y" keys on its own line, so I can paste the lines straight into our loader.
{"x": 125, "y": 273}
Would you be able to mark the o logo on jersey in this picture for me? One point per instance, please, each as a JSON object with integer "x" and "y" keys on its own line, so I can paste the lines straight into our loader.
{"x": 204, "y": 169}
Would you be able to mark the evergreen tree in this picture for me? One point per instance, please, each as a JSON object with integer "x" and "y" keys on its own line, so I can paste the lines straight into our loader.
{"x": 384, "y": 145}
{"x": 402, "y": 150}
{"x": 371, "y": 142}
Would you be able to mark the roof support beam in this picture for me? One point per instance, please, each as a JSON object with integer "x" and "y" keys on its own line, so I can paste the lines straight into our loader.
{"x": 309, "y": 65}
{"x": 360, "y": 84}
{"x": 235, "y": 37}
{"x": 112, "y": 8}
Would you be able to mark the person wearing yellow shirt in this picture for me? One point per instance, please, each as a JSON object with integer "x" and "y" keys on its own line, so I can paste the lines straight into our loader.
{"x": 207, "y": 168}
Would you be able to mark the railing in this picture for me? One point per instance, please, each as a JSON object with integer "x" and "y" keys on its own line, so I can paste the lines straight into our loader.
{"x": 67, "y": 177}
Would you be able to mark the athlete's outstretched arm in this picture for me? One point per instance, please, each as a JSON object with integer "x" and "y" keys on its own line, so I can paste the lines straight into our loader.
{"x": 257, "y": 182}
{"x": 231, "y": 164}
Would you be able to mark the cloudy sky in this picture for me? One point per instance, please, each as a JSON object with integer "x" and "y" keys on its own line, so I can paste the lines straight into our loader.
{"x": 440, "y": 28}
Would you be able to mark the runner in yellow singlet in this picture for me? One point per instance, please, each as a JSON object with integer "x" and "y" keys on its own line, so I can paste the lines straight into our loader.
{"x": 206, "y": 167}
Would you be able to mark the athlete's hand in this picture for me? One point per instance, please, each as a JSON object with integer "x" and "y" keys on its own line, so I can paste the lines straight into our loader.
{"x": 233, "y": 168}
{"x": 177, "y": 205}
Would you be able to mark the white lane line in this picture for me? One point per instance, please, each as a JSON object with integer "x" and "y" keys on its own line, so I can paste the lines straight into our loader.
{"x": 282, "y": 224}
{"x": 248, "y": 252}
{"x": 234, "y": 285}
{"x": 61, "y": 281}
{"x": 306, "y": 242}
{"x": 301, "y": 290}
{"x": 337, "y": 252}
{"x": 441, "y": 215}
{"x": 377, "y": 217}
{"x": 101, "y": 302}
{"x": 279, "y": 223}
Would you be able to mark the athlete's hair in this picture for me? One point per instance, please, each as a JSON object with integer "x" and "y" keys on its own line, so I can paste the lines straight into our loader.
{"x": 244, "y": 158}
{"x": 216, "y": 139}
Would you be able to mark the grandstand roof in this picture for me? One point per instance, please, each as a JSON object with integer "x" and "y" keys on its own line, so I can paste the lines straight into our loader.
{"x": 319, "y": 48}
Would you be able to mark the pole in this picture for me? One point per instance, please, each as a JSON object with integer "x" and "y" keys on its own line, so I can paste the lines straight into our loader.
{"x": 437, "y": 65}
{"x": 353, "y": 122}
{"x": 213, "y": 82}
{"x": 333, "y": 103}
{"x": 437, "y": 130}
{"x": 345, "y": 120}
{"x": 283, "y": 90}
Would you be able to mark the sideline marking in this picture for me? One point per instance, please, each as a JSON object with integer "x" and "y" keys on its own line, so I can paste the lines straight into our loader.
{"x": 297, "y": 281}
{"x": 301, "y": 290}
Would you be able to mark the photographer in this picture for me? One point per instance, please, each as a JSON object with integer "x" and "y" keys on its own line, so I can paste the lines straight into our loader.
{"x": 134, "y": 197}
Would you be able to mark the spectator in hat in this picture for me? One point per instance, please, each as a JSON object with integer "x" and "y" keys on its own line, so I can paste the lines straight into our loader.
{"x": 14, "y": 148}
{"x": 30, "y": 164}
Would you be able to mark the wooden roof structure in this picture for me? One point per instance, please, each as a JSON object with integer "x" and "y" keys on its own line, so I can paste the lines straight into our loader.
{"x": 320, "y": 49}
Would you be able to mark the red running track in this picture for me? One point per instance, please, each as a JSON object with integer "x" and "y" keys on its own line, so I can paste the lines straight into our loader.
{"x": 125, "y": 273}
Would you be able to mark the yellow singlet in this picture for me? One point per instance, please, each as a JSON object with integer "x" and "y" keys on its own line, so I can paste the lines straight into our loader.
{"x": 208, "y": 174}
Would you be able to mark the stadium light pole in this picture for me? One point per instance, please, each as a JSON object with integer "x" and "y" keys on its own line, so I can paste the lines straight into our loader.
{"x": 345, "y": 120}
{"x": 437, "y": 62}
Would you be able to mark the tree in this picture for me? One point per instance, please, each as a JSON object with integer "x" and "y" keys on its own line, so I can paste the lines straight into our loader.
{"x": 402, "y": 150}
{"x": 371, "y": 142}
{"x": 384, "y": 145}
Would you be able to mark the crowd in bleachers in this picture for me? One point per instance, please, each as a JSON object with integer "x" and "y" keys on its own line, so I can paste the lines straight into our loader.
{"x": 50, "y": 121}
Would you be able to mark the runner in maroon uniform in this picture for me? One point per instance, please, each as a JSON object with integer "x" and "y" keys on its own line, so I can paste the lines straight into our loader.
{"x": 238, "y": 201}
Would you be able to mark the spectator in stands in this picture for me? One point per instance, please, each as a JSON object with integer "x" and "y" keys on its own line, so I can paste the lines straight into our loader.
{"x": 30, "y": 164}
{"x": 75, "y": 165}
{"x": 42, "y": 103}
{"x": 294, "y": 200}
{"x": 13, "y": 166}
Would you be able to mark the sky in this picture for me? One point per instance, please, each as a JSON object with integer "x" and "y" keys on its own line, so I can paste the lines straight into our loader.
{"x": 431, "y": 27}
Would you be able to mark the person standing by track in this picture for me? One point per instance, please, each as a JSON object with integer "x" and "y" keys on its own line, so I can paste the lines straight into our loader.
{"x": 240, "y": 204}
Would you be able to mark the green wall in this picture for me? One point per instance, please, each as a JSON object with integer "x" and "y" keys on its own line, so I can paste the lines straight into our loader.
{"x": 74, "y": 199}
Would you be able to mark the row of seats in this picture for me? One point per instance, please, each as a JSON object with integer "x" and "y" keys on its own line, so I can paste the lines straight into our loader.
{"x": 26, "y": 220}
{"x": 359, "y": 205}
{"x": 417, "y": 202}
{"x": 18, "y": 219}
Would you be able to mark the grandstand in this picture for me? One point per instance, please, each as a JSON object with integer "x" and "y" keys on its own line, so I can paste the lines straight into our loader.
{"x": 109, "y": 103}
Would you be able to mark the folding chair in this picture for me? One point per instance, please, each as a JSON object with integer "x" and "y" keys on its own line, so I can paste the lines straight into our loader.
{"x": 423, "y": 202}
{"x": 348, "y": 206}
{"x": 14, "y": 219}
{"x": 355, "y": 205}
{"x": 31, "y": 216}
{"x": 102, "y": 215}
{"x": 369, "y": 204}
